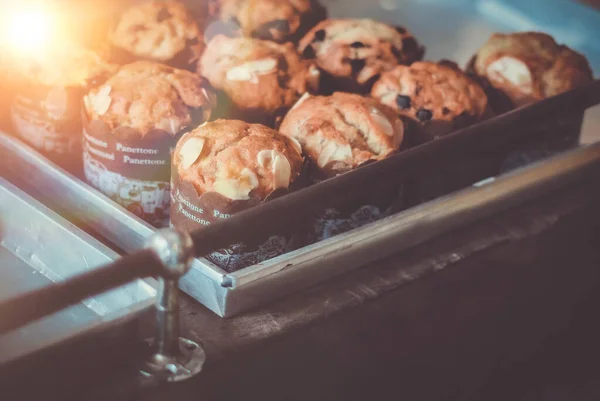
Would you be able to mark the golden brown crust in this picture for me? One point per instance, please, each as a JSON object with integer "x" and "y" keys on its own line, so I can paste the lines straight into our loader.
{"x": 257, "y": 75}
{"x": 357, "y": 50}
{"x": 427, "y": 92}
{"x": 340, "y": 132}
{"x": 530, "y": 66}
{"x": 277, "y": 20}
{"x": 236, "y": 159}
{"x": 159, "y": 31}
{"x": 146, "y": 96}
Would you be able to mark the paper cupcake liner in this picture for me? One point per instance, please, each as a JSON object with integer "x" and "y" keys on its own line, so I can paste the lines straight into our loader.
{"x": 130, "y": 168}
{"x": 191, "y": 211}
{"x": 49, "y": 120}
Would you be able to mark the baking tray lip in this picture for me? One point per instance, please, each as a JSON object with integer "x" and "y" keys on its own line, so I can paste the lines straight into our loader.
{"x": 99, "y": 323}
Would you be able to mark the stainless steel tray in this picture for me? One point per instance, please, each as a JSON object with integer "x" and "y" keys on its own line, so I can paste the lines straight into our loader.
{"x": 449, "y": 29}
{"x": 229, "y": 294}
{"x": 38, "y": 247}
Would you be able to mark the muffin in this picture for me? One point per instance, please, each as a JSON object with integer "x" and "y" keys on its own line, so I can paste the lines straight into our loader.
{"x": 46, "y": 108}
{"x": 276, "y": 20}
{"x": 524, "y": 67}
{"x": 437, "y": 98}
{"x": 164, "y": 32}
{"x": 341, "y": 132}
{"x": 352, "y": 53}
{"x": 224, "y": 167}
{"x": 337, "y": 134}
{"x": 259, "y": 79}
{"x": 131, "y": 124}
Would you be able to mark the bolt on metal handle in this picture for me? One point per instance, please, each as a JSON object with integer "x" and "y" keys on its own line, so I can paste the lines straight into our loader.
{"x": 174, "y": 358}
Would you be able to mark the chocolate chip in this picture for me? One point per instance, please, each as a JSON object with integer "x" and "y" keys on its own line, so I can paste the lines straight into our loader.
{"x": 409, "y": 45}
{"x": 424, "y": 115}
{"x": 357, "y": 45}
{"x": 445, "y": 111}
{"x": 163, "y": 14}
{"x": 357, "y": 65}
{"x": 401, "y": 30}
{"x": 397, "y": 53}
{"x": 309, "y": 52}
{"x": 319, "y": 35}
{"x": 403, "y": 102}
{"x": 282, "y": 64}
{"x": 418, "y": 89}
{"x": 283, "y": 80}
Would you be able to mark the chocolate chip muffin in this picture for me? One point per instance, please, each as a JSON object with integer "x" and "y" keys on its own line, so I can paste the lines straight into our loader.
{"x": 277, "y": 20}
{"x": 439, "y": 98}
{"x": 524, "y": 67}
{"x": 353, "y": 52}
{"x": 46, "y": 108}
{"x": 165, "y": 32}
{"x": 261, "y": 79}
{"x": 130, "y": 125}
{"x": 224, "y": 167}
{"x": 341, "y": 132}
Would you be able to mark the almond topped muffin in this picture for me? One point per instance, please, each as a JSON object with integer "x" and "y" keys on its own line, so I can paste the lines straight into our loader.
{"x": 526, "y": 67}
{"x": 262, "y": 79}
{"x": 131, "y": 124}
{"x": 237, "y": 160}
{"x": 224, "y": 167}
{"x": 46, "y": 109}
{"x": 163, "y": 31}
{"x": 341, "y": 132}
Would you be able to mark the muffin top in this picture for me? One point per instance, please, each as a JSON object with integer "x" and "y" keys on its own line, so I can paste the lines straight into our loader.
{"x": 257, "y": 74}
{"x": 530, "y": 66}
{"x": 342, "y": 131}
{"x": 427, "y": 91}
{"x": 237, "y": 160}
{"x": 158, "y": 30}
{"x": 66, "y": 66}
{"x": 277, "y": 20}
{"x": 145, "y": 95}
{"x": 359, "y": 49}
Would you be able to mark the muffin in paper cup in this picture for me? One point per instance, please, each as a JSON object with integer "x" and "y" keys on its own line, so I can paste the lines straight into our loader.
{"x": 46, "y": 108}
{"x": 227, "y": 166}
{"x": 338, "y": 134}
{"x": 130, "y": 125}
{"x": 161, "y": 31}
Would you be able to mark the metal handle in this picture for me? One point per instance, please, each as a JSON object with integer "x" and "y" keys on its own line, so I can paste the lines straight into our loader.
{"x": 174, "y": 358}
